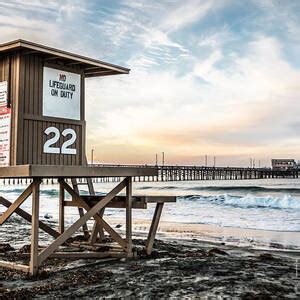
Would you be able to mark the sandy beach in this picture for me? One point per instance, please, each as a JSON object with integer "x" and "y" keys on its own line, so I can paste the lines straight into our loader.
{"x": 212, "y": 233}
{"x": 188, "y": 261}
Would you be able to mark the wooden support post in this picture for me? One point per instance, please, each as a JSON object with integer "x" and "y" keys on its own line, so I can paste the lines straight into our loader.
{"x": 33, "y": 266}
{"x": 80, "y": 209}
{"x": 153, "y": 228}
{"x": 100, "y": 229}
{"x": 84, "y": 226}
{"x": 97, "y": 229}
{"x": 129, "y": 215}
{"x": 94, "y": 234}
{"x": 61, "y": 224}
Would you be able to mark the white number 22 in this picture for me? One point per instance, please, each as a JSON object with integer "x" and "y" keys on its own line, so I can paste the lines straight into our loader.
{"x": 65, "y": 146}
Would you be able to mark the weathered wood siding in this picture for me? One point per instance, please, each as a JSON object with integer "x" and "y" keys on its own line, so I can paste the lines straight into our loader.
{"x": 24, "y": 72}
{"x": 9, "y": 71}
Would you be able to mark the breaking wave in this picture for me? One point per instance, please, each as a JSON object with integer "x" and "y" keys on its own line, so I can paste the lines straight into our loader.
{"x": 243, "y": 189}
{"x": 47, "y": 192}
{"x": 247, "y": 189}
{"x": 248, "y": 201}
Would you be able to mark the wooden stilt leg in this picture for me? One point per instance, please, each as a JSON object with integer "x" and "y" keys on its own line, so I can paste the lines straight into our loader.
{"x": 84, "y": 226}
{"x": 101, "y": 231}
{"x": 80, "y": 210}
{"x": 97, "y": 229}
{"x": 153, "y": 228}
{"x": 61, "y": 225}
{"x": 33, "y": 267}
{"x": 94, "y": 234}
{"x": 129, "y": 215}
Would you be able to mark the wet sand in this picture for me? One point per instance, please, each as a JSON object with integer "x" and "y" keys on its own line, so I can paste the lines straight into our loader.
{"x": 188, "y": 261}
{"x": 176, "y": 269}
{"x": 213, "y": 233}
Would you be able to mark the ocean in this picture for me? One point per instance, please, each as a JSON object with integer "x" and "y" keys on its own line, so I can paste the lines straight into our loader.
{"x": 269, "y": 204}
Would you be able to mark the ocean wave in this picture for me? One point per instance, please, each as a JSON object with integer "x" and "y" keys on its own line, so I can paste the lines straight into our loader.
{"x": 16, "y": 191}
{"x": 285, "y": 202}
{"x": 241, "y": 188}
{"x": 245, "y": 189}
{"x": 48, "y": 192}
{"x": 168, "y": 187}
{"x": 248, "y": 201}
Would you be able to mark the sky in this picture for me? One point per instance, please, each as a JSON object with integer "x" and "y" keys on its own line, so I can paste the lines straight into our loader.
{"x": 208, "y": 77}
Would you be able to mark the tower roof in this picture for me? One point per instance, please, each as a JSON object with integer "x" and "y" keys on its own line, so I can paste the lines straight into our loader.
{"x": 91, "y": 67}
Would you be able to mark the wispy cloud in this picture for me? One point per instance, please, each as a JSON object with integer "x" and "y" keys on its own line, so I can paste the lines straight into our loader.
{"x": 188, "y": 12}
{"x": 208, "y": 76}
{"x": 235, "y": 112}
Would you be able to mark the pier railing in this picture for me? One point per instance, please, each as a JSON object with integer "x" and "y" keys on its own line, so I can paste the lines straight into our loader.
{"x": 190, "y": 173}
{"x": 193, "y": 172}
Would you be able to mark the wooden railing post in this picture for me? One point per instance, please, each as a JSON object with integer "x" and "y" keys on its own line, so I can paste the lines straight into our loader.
{"x": 129, "y": 215}
{"x": 33, "y": 267}
{"x": 61, "y": 224}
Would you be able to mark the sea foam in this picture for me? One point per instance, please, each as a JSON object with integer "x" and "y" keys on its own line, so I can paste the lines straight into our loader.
{"x": 248, "y": 201}
{"x": 285, "y": 202}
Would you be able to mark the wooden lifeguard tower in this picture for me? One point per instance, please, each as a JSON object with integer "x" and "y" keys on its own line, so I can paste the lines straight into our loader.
{"x": 43, "y": 135}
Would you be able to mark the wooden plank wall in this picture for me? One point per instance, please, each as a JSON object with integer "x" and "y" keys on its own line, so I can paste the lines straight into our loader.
{"x": 4, "y": 68}
{"x": 9, "y": 71}
{"x": 34, "y": 122}
{"x": 36, "y": 127}
{"x": 24, "y": 72}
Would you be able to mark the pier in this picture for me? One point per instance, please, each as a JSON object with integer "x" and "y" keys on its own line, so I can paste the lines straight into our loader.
{"x": 185, "y": 173}
{"x": 193, "y": 173}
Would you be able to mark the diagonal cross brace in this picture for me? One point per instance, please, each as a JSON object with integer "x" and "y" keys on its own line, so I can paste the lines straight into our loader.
{"x": 25, "y": 215}
{"x": 25, "y": 194}
{"x": 88, "y": 215}
{"x": 98, "y": 218}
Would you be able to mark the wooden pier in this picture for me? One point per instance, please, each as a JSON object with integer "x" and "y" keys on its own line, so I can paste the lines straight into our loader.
{"x": 185, "y": 173}
{"x": 192, "y": 173}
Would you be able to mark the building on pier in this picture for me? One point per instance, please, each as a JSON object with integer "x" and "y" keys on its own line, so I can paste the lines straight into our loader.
{"x": 284, "y": 164}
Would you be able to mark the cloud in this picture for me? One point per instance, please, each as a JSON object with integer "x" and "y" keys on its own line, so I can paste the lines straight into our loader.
{"x": 203, "y": 68}
{"x": 188, "y": 12}
{"x": 149, "y": 25}
{"x": 207, "y": 76}
{"x": 262, "y": 72}
{"x": 234, "y": 113}
{"x": 153, "y": 37}
{"x": 48, "y": 22}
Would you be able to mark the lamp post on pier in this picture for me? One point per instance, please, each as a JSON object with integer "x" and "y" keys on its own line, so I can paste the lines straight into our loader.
{"x": 92, "y": 156}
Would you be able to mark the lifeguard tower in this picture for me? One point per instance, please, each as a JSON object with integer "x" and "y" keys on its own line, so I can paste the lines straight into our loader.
{"x": 43, "y": 135}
